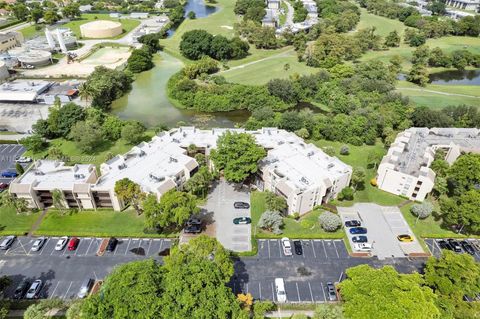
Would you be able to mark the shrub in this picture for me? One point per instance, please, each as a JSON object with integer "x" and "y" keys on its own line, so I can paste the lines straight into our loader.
{"x": 271, "y": 221}
{"x": 330, "y": 221}
{"x": 344, "y": 150}
{"x": 422, "y": 210}
{"x": 330, "y": 151}
{"x": 346, "y": 194}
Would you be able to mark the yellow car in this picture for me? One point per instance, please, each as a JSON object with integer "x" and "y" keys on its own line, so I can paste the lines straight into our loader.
{"x": 405, "y": 238}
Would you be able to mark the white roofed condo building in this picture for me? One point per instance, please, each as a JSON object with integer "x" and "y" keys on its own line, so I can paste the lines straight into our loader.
{"x": 303, "y": 174}
{"x": 405, "y": 170}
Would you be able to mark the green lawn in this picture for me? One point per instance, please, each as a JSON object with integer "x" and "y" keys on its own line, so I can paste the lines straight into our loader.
{"x": 435, "y": 95}
{"x": 102, "y": 223}
{"x": 12, "y": 223}
{"x": 358, "y": 158}
{"x": 306, "y": 227}
{"x": 382, "y": 25}
{"x": 430, "y": 227}
{"x": 127, "y": 25}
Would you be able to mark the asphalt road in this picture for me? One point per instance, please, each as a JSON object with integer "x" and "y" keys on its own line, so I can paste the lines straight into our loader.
{"x": 8, "y": 153}
{"x": 436, "y": 251}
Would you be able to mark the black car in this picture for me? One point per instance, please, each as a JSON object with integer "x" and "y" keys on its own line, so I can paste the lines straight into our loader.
{"x": 112, "y": 243}
{"x": 332, "y": 292}
{"x": 455, "y": 245}
{"x": 444, "y": 245}
{"x": 467, "y": 247}
{"x": 21, "y": 289}
{"x": 194, "y": 221}
{"x": 353, "y": 223}
{"x": 193, "y": 229}
{"x": 360, "y": 239}
{"x": 297, "y": 245}
{"x": 241, "y": 205}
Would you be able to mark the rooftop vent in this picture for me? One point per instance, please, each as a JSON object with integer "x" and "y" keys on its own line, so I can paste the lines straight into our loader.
{"x": 304, "y": 180}
{"x": 157, "y": 178}
{"x": 330, "y": 165}
{"x": 79, "y": 176}
{"x": 173, "y": 159}
{"x": 311, "y": 153}
{"x": 176, "y": 140}
{"x": 122, "y": 166}
{"x": 39, "y": 173}
{"x": 142, "y": 153}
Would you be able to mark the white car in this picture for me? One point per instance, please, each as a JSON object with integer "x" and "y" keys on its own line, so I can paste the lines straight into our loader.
{"x": 287, "y": 247}
{"x": 34, "y": 289}
{"x": 362, "y": 247}
{"x": 280, "y": 290}
{"x": 61, "y": 243}
{"x": 38, "y": 243}
{"x": 23, "y": 159}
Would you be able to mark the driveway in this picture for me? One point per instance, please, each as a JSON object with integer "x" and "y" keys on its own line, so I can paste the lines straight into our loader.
{"x": 8, "y": 153}
{"x": 384, "y": 224}
{"x": 220, "y": 205}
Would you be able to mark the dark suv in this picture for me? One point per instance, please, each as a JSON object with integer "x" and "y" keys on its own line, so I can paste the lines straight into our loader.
{"x": 21, "y": 289}
{"x": 112, "y": 243}
{"x": 193, "y": 226}
{"x": 455, "y": 245}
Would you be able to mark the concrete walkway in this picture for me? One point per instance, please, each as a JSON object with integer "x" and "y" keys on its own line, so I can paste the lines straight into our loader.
{"x": 288, "y": 313}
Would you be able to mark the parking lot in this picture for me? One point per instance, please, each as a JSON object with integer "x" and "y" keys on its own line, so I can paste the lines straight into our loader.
{"x": 8, "y": 153}
{"x": 384, "y": 224}
{"x": 436, "y": 251}
{"x": 64, "y": 271}
{"x": 305, "y": 276}
{"x": 219, "y": 206}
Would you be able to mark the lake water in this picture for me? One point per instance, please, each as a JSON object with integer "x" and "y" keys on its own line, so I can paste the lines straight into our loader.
{"x": 456, "y": 77}
{"x": 200, "y": 8}
{"x": 147, "y": 102}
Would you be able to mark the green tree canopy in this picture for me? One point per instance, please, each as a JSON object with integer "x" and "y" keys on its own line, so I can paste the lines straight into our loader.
{"x": 130, "y": 193}
{"x": 237, "y": 154}
{"x": 383, "y": 293}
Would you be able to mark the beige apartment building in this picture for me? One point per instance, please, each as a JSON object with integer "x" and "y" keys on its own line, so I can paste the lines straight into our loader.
{"x": 10, "y": 40}
{"x": 302, "y": 173}
{"x": 405, "y": 170}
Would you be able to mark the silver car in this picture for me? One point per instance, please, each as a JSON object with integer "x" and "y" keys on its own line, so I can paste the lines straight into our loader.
{"x": 7, "y": 242}
{"x": 34, "y": 289}
{"x": 38, "y": 244}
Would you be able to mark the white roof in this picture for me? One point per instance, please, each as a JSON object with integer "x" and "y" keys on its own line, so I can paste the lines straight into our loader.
{"x": 22, "y": 91}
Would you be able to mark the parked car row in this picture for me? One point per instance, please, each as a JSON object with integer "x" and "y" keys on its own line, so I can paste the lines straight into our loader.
{"x": 282, "y": 294}
{"x": 459, "y": 246}
{"x": 31, "y": 290}
{"x": 71, "y": 243}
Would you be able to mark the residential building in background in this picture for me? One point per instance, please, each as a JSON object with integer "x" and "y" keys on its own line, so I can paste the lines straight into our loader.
{"x": 464, "y": 4}
{"x": 300, "y": 172}
{"x": 405, "y": 170}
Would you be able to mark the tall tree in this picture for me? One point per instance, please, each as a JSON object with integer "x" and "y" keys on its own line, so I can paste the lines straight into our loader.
{"x": 384, "y": 293}
{"x": 237, "y": 154}
{"x": 130, "y": 193}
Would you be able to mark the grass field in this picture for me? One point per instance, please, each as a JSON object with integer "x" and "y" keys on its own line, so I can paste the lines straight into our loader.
{"x": 440, "y": 95}
{"x": 382, "y": 25}
{"x": 358, "y": 158}
{"x": 127, "y": 25}
{"x": 306, "y": 227}
{"x": 12, "y": 223}
{"x": 103, "y": 223}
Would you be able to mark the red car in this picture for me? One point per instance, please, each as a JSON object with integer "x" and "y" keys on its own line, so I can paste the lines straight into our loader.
{"x": 3, "y": 186}
{"x": 73, "y": 243}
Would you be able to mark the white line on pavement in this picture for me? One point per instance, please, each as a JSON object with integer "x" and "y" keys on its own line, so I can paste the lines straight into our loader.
{"x": 324, "y": 249}
{"x": 260, "y": 290}
{"x": 53, "y": 292}
{"x": 338, "y": 256}
{"x": 91, "y": 242}
{"x": 128, "y": 245}
{"x": 273, "y": 292}
{"x": 44, "y": 246}
{"x": 298, "y": 291}
{"x": 268, "y": 242}
{"x": 149, "y": 245}
{"x": 313, "y": 248}
{"x": 65, "y": 296}
{"x": 310, "y": 288}
{"x": 323, "y": 290}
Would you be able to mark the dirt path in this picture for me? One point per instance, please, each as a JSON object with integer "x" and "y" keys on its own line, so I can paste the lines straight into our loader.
{"x": 257, "y": 61}
{"x": 438, "y": 92}
{"x": 37, "y": 223}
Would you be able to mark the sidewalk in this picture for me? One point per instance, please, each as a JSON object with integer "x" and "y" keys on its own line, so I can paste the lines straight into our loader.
{"x": 288, "y": 313}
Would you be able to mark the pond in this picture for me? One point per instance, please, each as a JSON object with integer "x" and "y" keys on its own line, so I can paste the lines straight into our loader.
{"x": 201, "y": 10}
{"x": 456, "y": 77}
{"x": 147, "y": 102}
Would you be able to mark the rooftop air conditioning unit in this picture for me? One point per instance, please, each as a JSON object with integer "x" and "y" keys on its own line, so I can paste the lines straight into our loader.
{"x": 122, "y": 166}
{"x": 39, "y": 173}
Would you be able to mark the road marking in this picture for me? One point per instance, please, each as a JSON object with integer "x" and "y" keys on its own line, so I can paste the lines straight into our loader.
{"x": 65, "y": 296}
{"x": 298, "y": 291}
{"x": 324, "y": 249}
{"x": 44, "y": 245}
{"x": 311, "y": 293}
{"x": 160, "y": 248}
{"x": 91, "y": 242}
{"x": 246, "y": 290}
{"x": 53, "y": 292}
{"x": 260, "y": 290}
{"x": 273, "y": 293}
{"x": 149, "y": 245}
{"x": 439, "y": 249}
{"x": 323, "y": 290}
{"x": 338, "y": 256}
{"x": 128, "y": 245}
{"x": 279, "y": 248}
{"x": 313, "y": 248}
{"x": 78, "y": 247}
{"x": 268, "y": 242}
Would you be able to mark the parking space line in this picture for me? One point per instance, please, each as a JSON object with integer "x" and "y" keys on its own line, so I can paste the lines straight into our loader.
{"x": 53, "y": 292}
{"x": 298, "y": 291}
{"x": 268, "y": 242}
{"x": 338, "y": 256}
{"x": 149, "y": 245}
{"x": 91, "y": 242}
{"x": 323, "y": 290}
{"x": 280, "y": 249}
{"x": 260, "y": 290}
{"x": 160, "y": 248}
{"x": 246, "y": 289}
{"x": 128, "y": 245}
{"x": 324, "y": 249}
{"x": 44, "y": 246}
{"x": 273, "y": 292}
{"x": 313, "y": 248}
{"x": 311, "y": 293}
{"x": 65, "y": 296}
{"x": 436, "y": 244}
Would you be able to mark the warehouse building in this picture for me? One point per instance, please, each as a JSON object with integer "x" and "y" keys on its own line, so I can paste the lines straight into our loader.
{"x": 405, "y": 170}
{"x": 301, "y": 173}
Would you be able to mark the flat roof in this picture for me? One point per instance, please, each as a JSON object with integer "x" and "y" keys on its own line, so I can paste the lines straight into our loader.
{"x": 22, "y": 90}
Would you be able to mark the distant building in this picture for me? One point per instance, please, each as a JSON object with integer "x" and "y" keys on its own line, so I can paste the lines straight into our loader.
{"x": 273, "y": 4}
{"x": 456, "y": 14}
{"x": 405, "y": 170}
{"x": 270, "y": 19}
{"x": 139, "y": 15}
{"x": 64, "y": 92}
{"x": 473, "y": 5}
{"x": 115, "y": 15}
{"x": 23, "y": 90}
{"x": 10, "y": 40}
{"x": 301, "y": 173}
{"x": 86, "y": 8}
